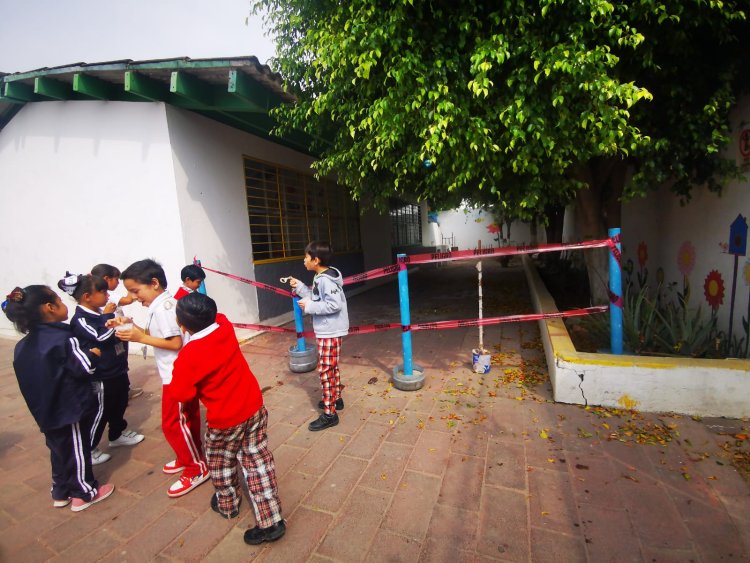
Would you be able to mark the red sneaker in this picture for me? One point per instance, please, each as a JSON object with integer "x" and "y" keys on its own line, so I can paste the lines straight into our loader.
{"x": 186, "y": 484}
{"x": 171, "y": 467}
{"x": 104, "y": 491}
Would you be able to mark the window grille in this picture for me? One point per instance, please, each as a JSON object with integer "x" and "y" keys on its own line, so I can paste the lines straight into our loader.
{"x": 288, "y": 209}
{"x": 406, "y": 225}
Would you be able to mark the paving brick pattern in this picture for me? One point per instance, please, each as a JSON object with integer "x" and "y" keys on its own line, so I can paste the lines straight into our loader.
{"x": 469, "y": 468}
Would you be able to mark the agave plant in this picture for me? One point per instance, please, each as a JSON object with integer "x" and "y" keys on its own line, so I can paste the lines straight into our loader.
{"x": 685, "y": 332}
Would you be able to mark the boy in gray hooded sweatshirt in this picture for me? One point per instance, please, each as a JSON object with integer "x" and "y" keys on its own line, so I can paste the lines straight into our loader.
{"x": 326, "y": 302}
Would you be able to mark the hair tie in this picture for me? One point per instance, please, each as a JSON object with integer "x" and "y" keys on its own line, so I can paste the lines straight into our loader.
{"x": 16, "y": 296}
{"x": 69, "y": 283}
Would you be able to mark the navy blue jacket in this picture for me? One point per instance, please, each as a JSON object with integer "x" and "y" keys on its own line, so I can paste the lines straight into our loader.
{"x": 54, "y": 374}
{"x": 89, "y": 328}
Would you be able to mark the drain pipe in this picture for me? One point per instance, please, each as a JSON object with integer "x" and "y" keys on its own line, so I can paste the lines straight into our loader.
{"x": 409, "y": 376}
{"x": 616, "y": 298}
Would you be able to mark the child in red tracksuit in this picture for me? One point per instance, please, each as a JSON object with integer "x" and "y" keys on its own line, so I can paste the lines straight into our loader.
{"x": 212, "y": 368}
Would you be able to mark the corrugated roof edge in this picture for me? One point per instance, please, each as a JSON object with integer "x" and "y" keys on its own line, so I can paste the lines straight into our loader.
{"x": 176, "y": 62}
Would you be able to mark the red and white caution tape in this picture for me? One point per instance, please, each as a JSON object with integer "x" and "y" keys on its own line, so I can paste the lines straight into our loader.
{"x": 284, "y": 292}
{"x": 439, "y": 325}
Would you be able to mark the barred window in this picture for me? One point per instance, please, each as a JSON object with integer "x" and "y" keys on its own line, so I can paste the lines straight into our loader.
{"x": 287, "y": 209}
{"x": 406, "y": 224}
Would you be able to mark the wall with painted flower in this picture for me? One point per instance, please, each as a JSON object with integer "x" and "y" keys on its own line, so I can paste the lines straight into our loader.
{"x": 696, "y": 251}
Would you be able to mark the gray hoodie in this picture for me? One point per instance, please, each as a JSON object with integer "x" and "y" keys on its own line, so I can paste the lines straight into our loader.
{"x": 326, "y": 304}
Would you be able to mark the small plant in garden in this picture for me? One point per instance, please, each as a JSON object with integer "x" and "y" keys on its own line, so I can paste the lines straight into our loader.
{"x": 684, "y": 332}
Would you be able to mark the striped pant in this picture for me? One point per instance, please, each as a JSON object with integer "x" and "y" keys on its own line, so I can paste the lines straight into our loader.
{"x": 181, "y": 425}
{"x": 329, "y": 350}
{"x": 247, "y": 445}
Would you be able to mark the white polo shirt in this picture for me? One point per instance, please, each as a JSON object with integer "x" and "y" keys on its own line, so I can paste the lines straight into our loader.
{"x": 162, "y": 323}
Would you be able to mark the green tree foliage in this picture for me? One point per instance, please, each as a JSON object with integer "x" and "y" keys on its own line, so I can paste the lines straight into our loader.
{"x": 516, "y": 103}
{"x": 523, "y": 105}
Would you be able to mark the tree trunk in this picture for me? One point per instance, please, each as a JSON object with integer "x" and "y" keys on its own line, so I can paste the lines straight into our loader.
{"x": 598, "y": 209}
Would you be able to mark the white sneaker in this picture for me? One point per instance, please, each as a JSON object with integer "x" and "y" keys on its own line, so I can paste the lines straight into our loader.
{"x": 98, "y": 456}
{"x": 127, "y": 438}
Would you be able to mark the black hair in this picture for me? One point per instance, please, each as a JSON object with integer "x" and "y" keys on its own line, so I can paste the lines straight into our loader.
{"x": 76, "y": 285}
{"x": 196, "y": 311}
{"x": 322, "y": 250}
{"x": 22, "y": 306}
{"x": 192, "y": 272}
{"x": 105, "y": 270}
{"x": 144, "y": 271}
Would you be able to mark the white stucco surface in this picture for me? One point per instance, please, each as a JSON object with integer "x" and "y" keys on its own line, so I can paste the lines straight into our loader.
{"x": 210, "y": 178}
{"x": 84, "y": 183}
{"x": 469, "y": 226}
{"x": 663, "y": 224}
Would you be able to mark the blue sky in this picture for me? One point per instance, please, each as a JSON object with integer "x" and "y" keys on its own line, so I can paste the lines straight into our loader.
{"x": 39, "y": 33}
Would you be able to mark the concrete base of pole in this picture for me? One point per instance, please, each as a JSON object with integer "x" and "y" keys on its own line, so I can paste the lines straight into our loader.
{"x": 302, "y": 362}
{"x": 408, "y": 382}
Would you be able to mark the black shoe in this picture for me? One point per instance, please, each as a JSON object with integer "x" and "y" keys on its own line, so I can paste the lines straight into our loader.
{"x": 323, "y": 421}
{"x": 215, "y": 508}
{"x": 339, "y": 404}
{"x": 256, "y": 536}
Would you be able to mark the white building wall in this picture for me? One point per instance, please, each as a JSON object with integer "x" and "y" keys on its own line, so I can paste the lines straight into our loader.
{"x": 84, "y": 183}
{"x": 209, "y": 173}
{"x": 664, "y": 225}
{"x": 470, "y": 226}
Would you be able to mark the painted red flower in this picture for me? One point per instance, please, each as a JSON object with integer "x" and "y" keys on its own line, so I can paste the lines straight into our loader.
{"x": 642, "y": 254}
{"x": 493, "y": 228}
{"x": 713, "y": 289}
{"x": 686, "y": 258}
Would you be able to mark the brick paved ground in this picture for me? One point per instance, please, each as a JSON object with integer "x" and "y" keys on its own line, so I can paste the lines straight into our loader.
{"x": 469, "y": 468}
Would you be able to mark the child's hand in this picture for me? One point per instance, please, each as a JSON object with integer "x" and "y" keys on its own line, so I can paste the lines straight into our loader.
{"x": 109, "y": 308}
{"x": 118, "y": 321}
{"x": 133, "y": 334}
{"x": 96, "y": 352}
{"x": 293, "y": 281}
{"x": 302, "y": 304}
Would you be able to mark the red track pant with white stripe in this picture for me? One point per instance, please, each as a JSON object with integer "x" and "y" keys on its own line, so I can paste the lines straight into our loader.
{"x": 181, "y": 425}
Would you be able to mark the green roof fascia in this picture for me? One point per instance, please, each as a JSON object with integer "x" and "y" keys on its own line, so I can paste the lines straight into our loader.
{"x": 21, "y": 92}
{"x": 247, "y": 124}
{"x": 182, "y": 64}
{"x": 250, "y": 90}
{"x": 54, "y": 89}
{"x": 191, "y": 88}
{"x": 145, "y": 87}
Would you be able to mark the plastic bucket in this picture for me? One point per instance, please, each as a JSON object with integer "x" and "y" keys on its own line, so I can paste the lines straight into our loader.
{"x": 303, "y": 361}
{"x": 481, "y": 360}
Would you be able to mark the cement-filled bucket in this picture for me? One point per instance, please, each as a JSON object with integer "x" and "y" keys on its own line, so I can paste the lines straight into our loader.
{"x": 303, "y": 361}
{"x": 481, "y": 360}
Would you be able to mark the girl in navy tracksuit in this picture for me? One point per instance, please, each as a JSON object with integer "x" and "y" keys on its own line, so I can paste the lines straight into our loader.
{"x": 54, "y": 375}
{"x": 110, "y": 382}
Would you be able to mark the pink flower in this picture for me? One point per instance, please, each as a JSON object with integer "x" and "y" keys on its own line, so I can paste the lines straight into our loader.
{"x": 686, "y": 258}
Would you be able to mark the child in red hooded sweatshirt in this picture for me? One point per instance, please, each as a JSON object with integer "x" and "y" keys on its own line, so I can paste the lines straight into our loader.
{"x": 212, "y": 367}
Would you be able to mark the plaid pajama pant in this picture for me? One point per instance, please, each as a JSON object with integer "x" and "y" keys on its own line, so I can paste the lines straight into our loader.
{"x": 246, "y": 444}
{"x": 329, "y": 350}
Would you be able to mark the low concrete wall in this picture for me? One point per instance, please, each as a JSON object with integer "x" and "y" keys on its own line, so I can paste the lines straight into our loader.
{"x": 656, "y": 384}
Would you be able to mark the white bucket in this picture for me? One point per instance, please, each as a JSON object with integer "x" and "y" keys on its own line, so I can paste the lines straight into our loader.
{"x": 481, "y": 360}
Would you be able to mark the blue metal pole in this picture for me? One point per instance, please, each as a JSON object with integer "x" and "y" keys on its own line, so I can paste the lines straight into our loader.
{"x": 403, "y": 300}
{"x": 615, "y": 288}
{"x": 299, "y": 325}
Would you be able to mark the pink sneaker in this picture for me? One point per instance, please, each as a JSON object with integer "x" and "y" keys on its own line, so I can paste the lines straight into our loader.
{"x": 186, "y": 484}
{"x": 171, "y": 467}
{"x": 104, "y": 491}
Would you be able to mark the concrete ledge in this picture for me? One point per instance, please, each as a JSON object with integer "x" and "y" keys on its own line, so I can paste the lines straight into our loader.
{"x": 656, "y": 384}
